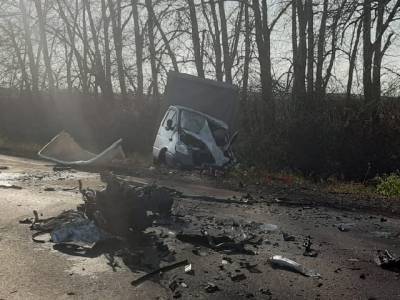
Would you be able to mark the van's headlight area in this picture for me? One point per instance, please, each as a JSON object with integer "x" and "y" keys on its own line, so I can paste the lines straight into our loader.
{"x": 181, "y": 148}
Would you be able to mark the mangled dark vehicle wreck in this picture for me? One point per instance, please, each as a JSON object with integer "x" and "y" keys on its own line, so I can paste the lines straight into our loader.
{"x": 189, "y": 139}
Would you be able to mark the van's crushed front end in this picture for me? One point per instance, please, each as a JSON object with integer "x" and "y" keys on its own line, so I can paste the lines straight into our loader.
{"x": 203, "y": 142}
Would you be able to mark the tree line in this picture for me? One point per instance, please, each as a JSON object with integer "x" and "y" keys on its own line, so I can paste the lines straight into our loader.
{"x": 128, "y": 46}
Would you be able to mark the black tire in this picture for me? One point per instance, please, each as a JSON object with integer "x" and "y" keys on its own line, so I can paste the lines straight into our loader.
{"x": 161, "y": 157}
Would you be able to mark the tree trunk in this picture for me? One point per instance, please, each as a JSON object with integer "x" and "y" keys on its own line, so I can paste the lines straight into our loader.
{"x": 98, "y": 64}
{"x": 107, "y": 54}
{"x": 294, "y": 48}
{"x": 310, "y": 52}
{"x": 247, "y": 52}
{"x": 115, "y": 15}
{"x": 321, "y": 51}
{"x": 198, "y": 58}
{"x": 225, "y": 42}
{"x": 217, "y": 43}
{"x": 264, "y": 56}
{"x": 43, "y": 41}
{"x": 21, "y": 62}
{"x": 152, "y": 49}
{"x": 86, "y": 77}
{"x": 367, "y": 50}
{"x": 300, "y": 59}
{"x": 353, "y": 58}
{"x": 138, "y": 48}
{"x": 28, "y": 42}
{"x": 166, "y": 41}
{"x": 71, "y": 32}
{"x": 377, "y": 62}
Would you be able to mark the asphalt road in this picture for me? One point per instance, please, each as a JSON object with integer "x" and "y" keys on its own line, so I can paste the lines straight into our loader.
{"x": 345, "y": 261}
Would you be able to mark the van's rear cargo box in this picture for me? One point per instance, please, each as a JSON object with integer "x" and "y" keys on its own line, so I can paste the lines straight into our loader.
{"x": 217, "y": 99}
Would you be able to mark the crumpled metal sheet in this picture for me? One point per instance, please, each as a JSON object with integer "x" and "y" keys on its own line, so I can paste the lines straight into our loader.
{"x": 63, "y": 149}
{"x": 288, "y": 264}
{"x": 205, "y": 135}
{"x": 70, "y": 227}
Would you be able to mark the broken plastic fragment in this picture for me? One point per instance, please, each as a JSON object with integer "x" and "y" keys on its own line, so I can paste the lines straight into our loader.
{"x": 288, "y": 264}
{"x": 268, "y": 227}
{"x": 188, "y": 269}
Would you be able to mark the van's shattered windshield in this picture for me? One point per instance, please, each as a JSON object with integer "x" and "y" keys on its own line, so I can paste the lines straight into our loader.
{"x": 192, "y": 122}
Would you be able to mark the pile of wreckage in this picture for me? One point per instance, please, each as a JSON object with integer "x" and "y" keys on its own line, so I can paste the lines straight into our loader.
{"x": 119, "y": 210}
{"x": 113, "y": 222}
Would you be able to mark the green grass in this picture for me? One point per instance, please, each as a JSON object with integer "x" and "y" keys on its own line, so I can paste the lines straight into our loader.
{"x": 389, "y": 185}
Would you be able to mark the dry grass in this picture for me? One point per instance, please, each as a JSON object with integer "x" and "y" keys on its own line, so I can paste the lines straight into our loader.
{"x": 25, "y": 149}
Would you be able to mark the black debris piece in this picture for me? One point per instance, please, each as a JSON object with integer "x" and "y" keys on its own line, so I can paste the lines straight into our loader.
{"x": 266, "y": 292}
{"x": 60, "y": 168}
{"x": 386, "y": 260}
{"x": 287, "y": 237}
{"x": 142, "y": 279}
{"x": 308, "y": 251}
{"x": 177, "y": 295}
{"x": 238, "y": 277}
{"x": 218, "y": 243}
{"x": 26, "y": 221}
{"x": 252, "y": 268}
{"x": 211, "y": 288}
{"x": 249, "y": 295}
{"x": 173, "y": 285}
{"x": 197, "y": 251}
{"x": 124, "y": 206}
{"x": 10, "y": 186}
{"x": 344, "y": 227}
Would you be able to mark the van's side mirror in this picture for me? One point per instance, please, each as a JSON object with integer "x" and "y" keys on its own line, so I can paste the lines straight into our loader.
{"x": 169, "y": 124}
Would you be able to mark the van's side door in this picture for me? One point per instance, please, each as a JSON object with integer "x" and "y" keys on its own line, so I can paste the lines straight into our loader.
{"x": 165, "y": 134}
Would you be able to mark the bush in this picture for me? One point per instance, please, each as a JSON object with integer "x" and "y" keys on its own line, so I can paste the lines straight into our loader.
{"x": 390, "y": 185}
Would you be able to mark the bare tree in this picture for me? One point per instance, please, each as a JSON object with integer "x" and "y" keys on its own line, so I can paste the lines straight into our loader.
{"x": 43, "y": 41}
{"x": 27, "y": 37}
{"x": 198, "y": 58}
{"x": 98, "y": 64}
{"x": 247, "y": 54}
{"x": 138, "y": 47}
{"x": 107, "y": 50}
{"x": 373, "y": 51}
{"x": 355, "y": 41}
{"x": 115, "y": 14}
{"x": 152, "y": 48}
{"x": 310, "y": 44}
{"x": 263, "y": 31}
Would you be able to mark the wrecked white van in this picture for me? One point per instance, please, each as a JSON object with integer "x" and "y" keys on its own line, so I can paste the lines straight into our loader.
{"x": 190, "y": 139}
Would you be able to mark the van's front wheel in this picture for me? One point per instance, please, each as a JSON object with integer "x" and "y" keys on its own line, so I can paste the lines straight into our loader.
{"x": 161, "y": 159}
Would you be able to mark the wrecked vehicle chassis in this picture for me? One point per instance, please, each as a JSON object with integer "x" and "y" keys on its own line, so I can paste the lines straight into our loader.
{"x": 123, "y": 207}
